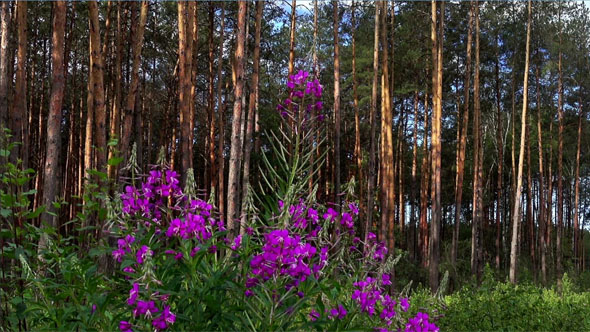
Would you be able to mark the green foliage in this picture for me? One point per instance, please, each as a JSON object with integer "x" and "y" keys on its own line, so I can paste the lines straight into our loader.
{"x": 505, "y": 307}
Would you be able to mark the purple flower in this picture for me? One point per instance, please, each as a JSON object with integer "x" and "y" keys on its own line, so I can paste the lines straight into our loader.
{"x": 145, "y": 308}
{"x": 314, "y": 315}
{"x": 237, "y": 242}
{"x": 125, "y": 326}
{"x": 141, "y": 253}
{"x": 385, "y": 280}
{"x": 330, "y": 215}
{"x": 248, "y": 293}
{"x": 404, "y": 303}
{"x": 118, "y": 254}
{"x": 339, "y": 312}
{"x": 133, "y": 293}
{"x": 420, "y": 323}
{"x": 165, "y": 319}
{"x": 93, "y": 310}
{"x": 353, "y": 208}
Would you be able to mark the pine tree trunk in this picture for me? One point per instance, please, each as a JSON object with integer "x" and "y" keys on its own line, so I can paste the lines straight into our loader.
{"x": 51, "y": 168}
{"x": 235, "y": 152}
{"x": 477, "y": 157}
{"x": 463, "y": 140}
{"x": 516, "y": 213}
{"x": 558, "y": 244}
{"x": 424, "y": 186}
{"x": 412, "y": 233}
{"x": 576, "y": 245}
{"x": 357, "y": 120}
{"x": 211, "y": 178}
{"x": 337, "y": 114}
{"x": 185, "y": 20}
{"x": 500, "y": 144}
{"x": 372, "y": 115}
{"x": 19, "y": 106}
{"x": 434, "y": 245}
{"x": 4, "y": 18}
{"x": 387, "y": 171}
{"x": 98, "y": 87}
{"x": 221, "y": 119}
{"x": 542, "y": 193}
{"x": 252, "y": 109}
{"x": 115, "y": 131}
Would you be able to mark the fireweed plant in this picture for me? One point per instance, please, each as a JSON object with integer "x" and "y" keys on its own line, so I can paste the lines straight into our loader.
{"x": 299, "y": 266}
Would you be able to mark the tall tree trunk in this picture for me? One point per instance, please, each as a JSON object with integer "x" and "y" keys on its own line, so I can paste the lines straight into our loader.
{"x": 4, "y": 17}
{"x": 477, "y": 157}
{"x": 463, "y": 140}
{"x": 357, "y": 120}
{"x": 437, "y": 41}
{"x": 336, "y": 107}
{"x": 558, "y": 244}
{"x": 516, "y": 212}
{"x": 19, "y": 104}
{"x": 372, "y": 116}
{"x": 387, "y": 171}
{"x": 211, "y": 178}
{"x": 115, "y": 131}
{"x": 500, "y": 144}
{"x": 292, "y": 37}
{"x": 424, "y": 185}
{"x": 576, "y": 245}
{"x": 185, "y": 23}
{"x": 98, "y": 87}
{"x": 252, "y": 109}
{"x": 50, "y": 184}
{"x": 235, "y": 152}
{"x": 221, "y": 117}
{"x": 529, "y": 202}
{"x": 542, "y": 193}
{"x": 412, "y": 233}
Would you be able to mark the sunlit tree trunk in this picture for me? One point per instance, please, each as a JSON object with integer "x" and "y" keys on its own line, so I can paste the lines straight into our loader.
{"x": 4, "y": 18}
{"x": 235, "y": 152}
{"x": 372, "y": 115}
{"x": 516, "y": 212}
{"x": 252, "y": 109}
{"x": 463, "y": 140}
{"x": 388, "y": 184}
{"x": 529, "y": 201}
{"x": 412, "y": 233}
{"x": 437, "y": 41}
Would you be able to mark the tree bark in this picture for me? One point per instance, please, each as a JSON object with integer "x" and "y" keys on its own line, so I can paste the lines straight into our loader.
{"x": 437, "y": 40}
{"x": 252, "y": 109}
{"x": 235, "y": 152}
{"x": 211, "y": 178}
{"x": 372, "y": 116}
{"x": 185, "y": 20}
{"x": 19, "y": 105}
{"x": 542, "y": 192}
{"x": 477, "y": 220}
{"x": 4, "y": 18}
{"x": 50, "y": 183}
{"x": 115, "y": 130}
{"x": 424, "y": 186}
{"x": 462, "y": 140}
{"x": 357, "y": 120}
{"x": 221, "y": 117}
{"x": 500, "y": 144}
{"x": 98, "y": 87}
{"x": 576, "y": 245}
{"x": 516, "y": 212}
{"x": 337, "y": 115}
{"x": 558, "y": 244}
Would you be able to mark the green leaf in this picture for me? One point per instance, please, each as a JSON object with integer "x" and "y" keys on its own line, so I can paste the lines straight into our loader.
{"x": 114, "y": 161}
{"x": 4, "y": 153}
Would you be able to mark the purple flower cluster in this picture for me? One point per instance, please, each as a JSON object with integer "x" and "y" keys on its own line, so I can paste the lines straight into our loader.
{"x": 300, "y": 85}
{"x": 153, "y": 195}
{"x": 370, "y": 296}
{"x": 147, "y": 309}
{"x": 377, "y": 248}
{"x": 124, "y": 247}
{"x": 420, "y": 323}
{"x": 284, "y": 254}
